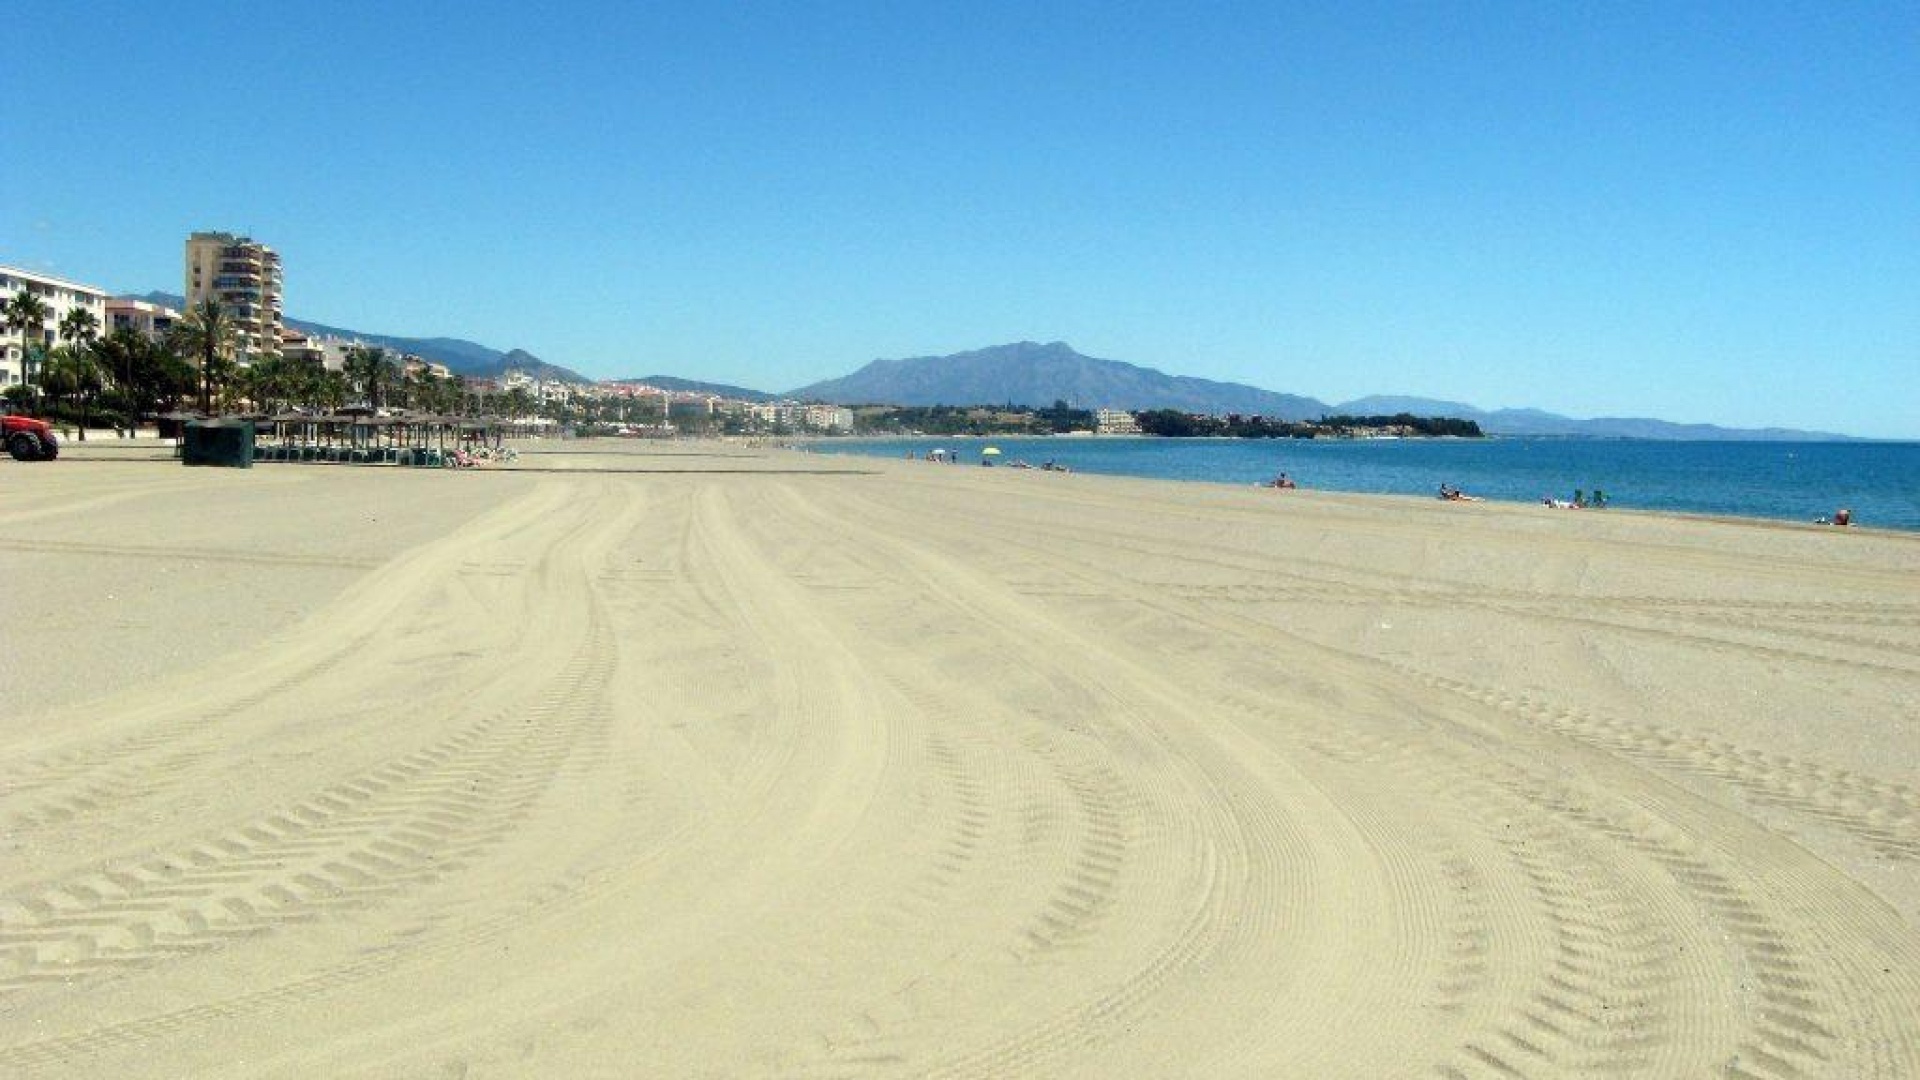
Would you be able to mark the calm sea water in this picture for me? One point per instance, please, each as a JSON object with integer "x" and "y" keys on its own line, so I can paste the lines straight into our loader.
{"x": 1879, "y": 482}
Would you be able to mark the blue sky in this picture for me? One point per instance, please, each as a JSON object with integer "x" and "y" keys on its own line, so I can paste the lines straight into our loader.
{"x": 1698, "y": 212}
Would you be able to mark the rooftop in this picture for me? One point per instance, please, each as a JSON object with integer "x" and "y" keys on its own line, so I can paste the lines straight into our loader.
{"x": 14, "y": 271}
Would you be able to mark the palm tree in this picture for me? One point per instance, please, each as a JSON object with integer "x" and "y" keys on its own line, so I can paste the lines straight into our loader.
{"x": 73, "y": 373}
{"x": 209, "y": 335}
{"x": 303, "y": 380}
{"x": 262, "y": 382}
{"x": 79, "y": 327}
{"x": 369, "y": 369}
{"x": 27, "y": 314}
{"x": 119, "y": 354}
{"x": 519, "y": 403}
{"x": 331, "y": 391}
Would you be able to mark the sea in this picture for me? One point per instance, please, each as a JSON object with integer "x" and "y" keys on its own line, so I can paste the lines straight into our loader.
{"x": 1787, "y": 481}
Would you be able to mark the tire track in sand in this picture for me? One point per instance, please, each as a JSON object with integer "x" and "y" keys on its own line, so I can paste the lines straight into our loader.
{"x": 189, "y": 729}
{"x": 1794, "y": 1033}
{"x": 1884, "y": 815}
{"x": 360, "y": 842}
{"x": 1241, "y": 842}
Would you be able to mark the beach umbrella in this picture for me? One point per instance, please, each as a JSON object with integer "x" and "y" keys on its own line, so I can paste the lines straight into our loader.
{"x": 991, "y": 451}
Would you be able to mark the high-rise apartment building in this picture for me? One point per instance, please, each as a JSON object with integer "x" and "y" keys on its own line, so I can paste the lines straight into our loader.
{"x": 244, "y": 277}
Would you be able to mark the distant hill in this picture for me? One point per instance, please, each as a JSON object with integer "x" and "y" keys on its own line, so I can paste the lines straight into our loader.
{"x": 461, "y": 357}
{"x": 1034, "y": 375}
{"x": 1537, "y": 422}
{"x": 692, "y": 386}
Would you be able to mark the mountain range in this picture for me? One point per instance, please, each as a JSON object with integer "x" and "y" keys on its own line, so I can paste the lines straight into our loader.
{"x": 462, "y": 357}
{"x": 1538, "y": 422}
{"x": 695, "y": 386}
{"x": 1034, "y": 375}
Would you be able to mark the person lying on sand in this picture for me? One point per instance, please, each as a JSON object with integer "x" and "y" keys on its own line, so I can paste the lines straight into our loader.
{"x": 1454, "y": 494}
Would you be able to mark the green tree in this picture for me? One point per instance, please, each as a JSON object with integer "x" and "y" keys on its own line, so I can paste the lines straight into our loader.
{"x": 268, "y": 383}
{"x": 305, "y": 378}
{"x": 371, "y": 372}
{"x": 79, "y": 327}
{"x": 27, "y": 315}
{"x": 209, "y": 335}
{"x": 1062, "y": 417}
{"x": 143, "y": 370}
{"x": 518, "y": 402}
{"x": 72, "y": 375}
{"x": 331, "y": 390}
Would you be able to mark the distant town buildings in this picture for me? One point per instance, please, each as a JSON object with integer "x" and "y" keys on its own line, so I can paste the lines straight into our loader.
{"x": 1115, "y": 422}
{"x": 833, "y": 418}
{"x": 795, "y": 416}
{"x": 60, "y": 297}
{"x": 244, "y": 278}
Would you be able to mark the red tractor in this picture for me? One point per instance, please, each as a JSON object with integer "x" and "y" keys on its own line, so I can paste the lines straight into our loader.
{"x": 28, "y": 439}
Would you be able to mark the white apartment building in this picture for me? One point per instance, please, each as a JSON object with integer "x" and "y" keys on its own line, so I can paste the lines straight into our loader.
{"x": 1115, "y": 422}
{"x": 419, "y": 364}
{"x": 790, "y": 413}
{"x": 244, "y": 276}
{"x": 60, "y": 296}
{"x": 153, "y": 320}
{"x": 829, "y": 418}
{"x": 333, "y": 352}
{"x": 300, "y": 348}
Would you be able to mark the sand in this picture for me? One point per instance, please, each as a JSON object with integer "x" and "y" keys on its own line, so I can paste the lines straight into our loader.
{"x": 683, "y": 761}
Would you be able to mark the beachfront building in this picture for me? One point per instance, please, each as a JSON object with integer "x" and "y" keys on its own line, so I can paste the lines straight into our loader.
{"x": 418, "y": 366}
{"x": 1115, "y": 422}
{"x": 143, "y": 316}
{"x": 24, "y": 346}
{"x": 637, "y": 402}
{"x": 545, "y": 391}
{"x": 302, "y": 348}
{"x": 829, "y": 418}
{"x": 334, "y": 352}
{"x": 243, "y": 276}
{"x": 691, "y": 407}
{"x": 787, "y": 414}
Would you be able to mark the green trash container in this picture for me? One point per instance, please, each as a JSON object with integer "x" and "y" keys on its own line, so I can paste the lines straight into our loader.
{"x": 225, "y": 443}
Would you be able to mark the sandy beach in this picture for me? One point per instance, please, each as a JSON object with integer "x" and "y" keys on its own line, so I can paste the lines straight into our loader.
{"x": 712, "y": 761}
